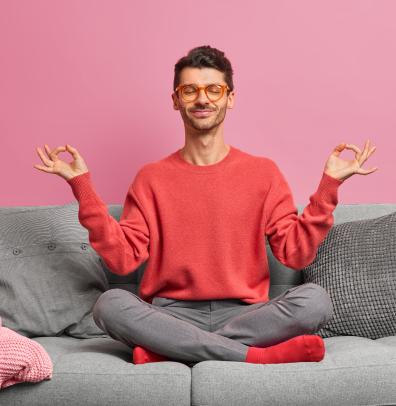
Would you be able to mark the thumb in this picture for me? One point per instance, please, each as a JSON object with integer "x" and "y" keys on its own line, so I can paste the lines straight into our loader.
{"x": 73, "y": 151}
{"x": 362, "y": 171}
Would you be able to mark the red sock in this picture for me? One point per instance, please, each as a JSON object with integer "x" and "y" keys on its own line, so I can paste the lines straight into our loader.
{"x": 303, "y": 348}
{"x": 142, "y": 355}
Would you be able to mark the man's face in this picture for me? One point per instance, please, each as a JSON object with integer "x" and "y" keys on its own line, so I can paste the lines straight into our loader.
{"x": 202, "y": 76}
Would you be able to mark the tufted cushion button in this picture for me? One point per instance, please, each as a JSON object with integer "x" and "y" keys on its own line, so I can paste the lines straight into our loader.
{"x": 51, "y": 246}
{"x": 16, "y": 251}
{"x": 84, "y": 246}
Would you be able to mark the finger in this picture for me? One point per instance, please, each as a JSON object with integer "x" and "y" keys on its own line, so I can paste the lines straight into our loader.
{"x": 369, "y": 152}
{"x": 43, "y": 168}
{"x": 356, "y": 149}
{"x": 338, "y": 149}
{"x": 47, "y": 161}
{"x": 47, "y": 150}
{"x": 73, "y": 151}
{"x": 53, "y": 154}
{"x": 364, "y": 155}
{"x": 56, "y": 151}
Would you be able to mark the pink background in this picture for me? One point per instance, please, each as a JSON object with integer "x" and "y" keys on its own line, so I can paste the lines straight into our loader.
{"x": 98, "y": 75}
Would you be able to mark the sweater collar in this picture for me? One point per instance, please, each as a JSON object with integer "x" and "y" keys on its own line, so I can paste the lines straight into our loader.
{"x": 178, "y": 160}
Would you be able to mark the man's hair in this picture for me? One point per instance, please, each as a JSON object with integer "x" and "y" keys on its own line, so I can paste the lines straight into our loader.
{"x": 205, "y": 57}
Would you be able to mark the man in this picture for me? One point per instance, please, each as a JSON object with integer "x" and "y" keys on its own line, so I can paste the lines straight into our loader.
{"x": 200, "y": 216}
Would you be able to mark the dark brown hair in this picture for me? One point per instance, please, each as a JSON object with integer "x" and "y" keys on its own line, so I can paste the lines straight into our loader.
{"x": 205, "y": 57}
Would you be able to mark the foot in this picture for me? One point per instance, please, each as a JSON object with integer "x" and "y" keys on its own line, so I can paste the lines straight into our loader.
{"x": 142, "y": 355}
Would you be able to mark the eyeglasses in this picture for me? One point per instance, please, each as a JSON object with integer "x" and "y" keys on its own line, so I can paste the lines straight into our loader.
{"x": 190, "y": 92}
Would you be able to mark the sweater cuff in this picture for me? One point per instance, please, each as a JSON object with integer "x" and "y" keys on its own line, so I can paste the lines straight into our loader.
{"x": 327, "y": 189}
{"x": 82, "y": 187}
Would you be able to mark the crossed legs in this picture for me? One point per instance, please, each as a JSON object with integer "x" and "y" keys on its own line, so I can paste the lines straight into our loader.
{"x": 127, "y": 318}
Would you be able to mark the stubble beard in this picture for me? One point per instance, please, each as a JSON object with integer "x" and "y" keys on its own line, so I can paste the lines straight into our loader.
{"x": 205, "y": 124}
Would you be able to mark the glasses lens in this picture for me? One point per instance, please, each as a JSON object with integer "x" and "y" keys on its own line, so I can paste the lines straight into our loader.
{"x": 214, "y": 92}
{"x": 189, "y": 93}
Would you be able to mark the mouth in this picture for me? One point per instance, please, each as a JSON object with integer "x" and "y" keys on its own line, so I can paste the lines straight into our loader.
{"x": 201, "y": 113}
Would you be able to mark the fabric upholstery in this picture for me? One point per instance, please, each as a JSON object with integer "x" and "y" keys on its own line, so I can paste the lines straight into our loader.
{"x": 356, "y": 264}
{"x": 50, "y": 277}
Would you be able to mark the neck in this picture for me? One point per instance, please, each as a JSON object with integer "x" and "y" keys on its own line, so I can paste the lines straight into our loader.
{"x": 199, "y": 153}
{"x": 204, "y": 147}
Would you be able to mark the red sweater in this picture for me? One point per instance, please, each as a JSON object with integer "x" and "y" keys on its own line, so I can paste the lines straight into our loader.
{"x": 203, "y": 228}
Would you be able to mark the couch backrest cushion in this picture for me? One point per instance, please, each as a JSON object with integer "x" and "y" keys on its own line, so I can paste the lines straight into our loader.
{"x": 50, "y": 277}
{"x": 356, "y": 264}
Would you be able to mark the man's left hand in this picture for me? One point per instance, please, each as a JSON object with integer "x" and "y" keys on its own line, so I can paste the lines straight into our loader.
{"x": 342, "y": 169}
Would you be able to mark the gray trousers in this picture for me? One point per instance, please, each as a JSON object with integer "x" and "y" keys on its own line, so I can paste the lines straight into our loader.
{"x": 194, "y": 331}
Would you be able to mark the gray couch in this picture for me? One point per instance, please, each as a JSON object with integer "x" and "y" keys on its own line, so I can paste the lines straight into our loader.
{"x": 99, "y": 371}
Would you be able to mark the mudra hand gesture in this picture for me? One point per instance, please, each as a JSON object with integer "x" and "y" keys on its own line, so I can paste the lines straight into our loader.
{"x": 342, "y": 169}
{"x": 58, "y": 167}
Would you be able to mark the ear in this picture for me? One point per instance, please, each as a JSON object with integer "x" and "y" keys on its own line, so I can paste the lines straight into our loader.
{"x": 230, "y": 100}
{"x": 175, "y": 101}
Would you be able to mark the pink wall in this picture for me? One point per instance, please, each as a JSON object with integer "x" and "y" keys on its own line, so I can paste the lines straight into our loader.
{"x": 98, "y": 75}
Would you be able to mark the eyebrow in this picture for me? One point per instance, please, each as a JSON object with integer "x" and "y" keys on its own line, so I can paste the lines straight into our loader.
{"x": 194, "y": 84}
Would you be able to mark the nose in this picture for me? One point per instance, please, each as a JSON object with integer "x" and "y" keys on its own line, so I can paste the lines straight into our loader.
{"x": 202, "y": 98}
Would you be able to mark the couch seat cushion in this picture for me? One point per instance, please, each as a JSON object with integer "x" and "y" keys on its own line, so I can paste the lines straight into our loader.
{"x": 99, "y": 371}
{"x": 355, "y": 371}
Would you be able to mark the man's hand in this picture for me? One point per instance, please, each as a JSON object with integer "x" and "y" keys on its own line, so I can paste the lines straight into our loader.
{"x": 341, "y": 169}
{"x": 58, "y": 167}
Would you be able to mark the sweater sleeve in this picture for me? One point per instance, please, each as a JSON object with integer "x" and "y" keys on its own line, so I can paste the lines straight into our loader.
{"x": 294, "y": 239}
{"x": 122, "y": 245}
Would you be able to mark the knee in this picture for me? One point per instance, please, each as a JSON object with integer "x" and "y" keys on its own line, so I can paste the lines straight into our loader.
{"x": 319, "y": 307}
{"x": 324, "y": 303}
{"x": 104, "y": 305}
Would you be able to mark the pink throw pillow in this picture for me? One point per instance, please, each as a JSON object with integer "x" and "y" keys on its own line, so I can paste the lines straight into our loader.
{"x": 22, "y": 359}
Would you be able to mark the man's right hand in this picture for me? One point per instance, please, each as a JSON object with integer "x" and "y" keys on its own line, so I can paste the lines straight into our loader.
{"x": 61, "y": 168}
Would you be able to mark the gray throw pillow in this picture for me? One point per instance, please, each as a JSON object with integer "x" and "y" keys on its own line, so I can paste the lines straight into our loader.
{"x": 50, "y": 277}
{"x": 356, "y": 264}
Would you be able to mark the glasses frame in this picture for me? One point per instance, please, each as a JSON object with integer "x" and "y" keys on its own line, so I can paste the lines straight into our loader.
{"x": 204, "y": 87}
